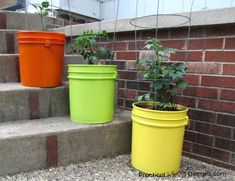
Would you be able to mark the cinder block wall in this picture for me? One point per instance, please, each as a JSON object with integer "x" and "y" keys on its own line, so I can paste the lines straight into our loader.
{"x": 211, "y": 94}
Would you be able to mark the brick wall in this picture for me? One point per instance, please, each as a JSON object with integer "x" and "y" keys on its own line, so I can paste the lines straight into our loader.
{"x": 211, "y": 94}
{"x": 211, "y": 77}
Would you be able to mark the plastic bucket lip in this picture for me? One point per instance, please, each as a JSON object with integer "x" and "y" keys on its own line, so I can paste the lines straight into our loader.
{"x": 40, "y": 32}
{"x": 155, "y": 118}
{"x": 158, "y": 111}
{"x": 92, "y": 72}
{"x": 89, "y": 65}
{"x": 39, "y": 37}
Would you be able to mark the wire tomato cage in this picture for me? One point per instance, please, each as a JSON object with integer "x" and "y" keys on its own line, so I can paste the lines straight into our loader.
{"x": 177, "y": 20}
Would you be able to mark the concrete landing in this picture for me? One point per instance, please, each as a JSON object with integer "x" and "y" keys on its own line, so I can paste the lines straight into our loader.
{"x": 22, "y": 21}
{"x": 34, "y": 144}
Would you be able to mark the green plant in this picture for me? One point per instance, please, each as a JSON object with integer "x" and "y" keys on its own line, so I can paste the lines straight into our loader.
{"x": 166, "y": 79}
{"x": 87, "y": 46}
{"x": 43, "y": 11}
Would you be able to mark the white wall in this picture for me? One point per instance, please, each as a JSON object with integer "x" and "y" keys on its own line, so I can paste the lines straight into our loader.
{"x": 127, "y": 8}
{"x": 89, "y": 8}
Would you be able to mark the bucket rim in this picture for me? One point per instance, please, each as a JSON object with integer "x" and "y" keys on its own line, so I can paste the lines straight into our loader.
{"x": 185, "y": 109}
{"x": 89, "y": 65}
{"x": 41, "y": 32}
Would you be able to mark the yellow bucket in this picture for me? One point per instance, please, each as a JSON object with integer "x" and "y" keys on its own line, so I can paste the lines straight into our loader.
{"x": 157, "y": 139}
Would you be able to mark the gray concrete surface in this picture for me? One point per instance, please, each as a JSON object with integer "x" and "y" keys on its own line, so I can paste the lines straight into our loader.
{"x": 9, "y": 66}
{"x": 22, "y": 143}
{"x": 15, "y": 101}
{"x": 199, "y": 18}
{"x": 119, "y": 169}
{"x": 21, "y": 21}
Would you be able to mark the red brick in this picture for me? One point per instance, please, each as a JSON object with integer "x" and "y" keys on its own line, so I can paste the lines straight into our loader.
{"x": 52, "y": 151}
{"x": 181, "y": 56}
{"x": 198, "y": 157}
{"x": 178, "y": 44}
{"x": 218, "y": 81}
{"x": 192, "y": 79}
{"x": 191, "y": 124}
{"x": 138, "y": 46}
{"x": 198, "y": 138}
{"x": 121, "y": 64}
{"x": 125, "y": 93}
{"x": 205, "y": 44}
{"x": 198, "y": 32}
{"x": 220, "y": 56}
{"x": 152, "y": 33}
{"x": 34, "y": 105}
{"x": 229, "y": 69}
{"x": 120, "y": 102}
{"x": 128, "y": 103}
{"x": 131, "y": 65}
{"x": 130, "y": 75}
{"x": 187, "y": 146}
{"x": 179, "y": 33}
{"x": 228, "y": 95}
{"x": 229, "y": 166}
{"x": 201, "y": 92}
{"x": 126, "y": 36}
{"x": 117, "y": 46}
{"x": 10, "y": 41}
{"x": 213, "y": 129}
{"x": 186, "y": 101}
{"x": 127, "y": 55}
{"x": 3, "y": 21}
{"x": 220, "y": 30}
{"x": 204, "y": 68}
{"x": 202, "y": 115}
{"x": 220, "y": 106}
{"x": 211, "y": 152}
{"x": 230, "y": 43}
{"x": 121, "y": 83}
{"x": 226, "y": 119}
{"x": 145, "y": 86}
{"x": 225, "y": 144}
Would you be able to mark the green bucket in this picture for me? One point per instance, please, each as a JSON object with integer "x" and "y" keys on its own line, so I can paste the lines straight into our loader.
{"x": 92, "y": 93}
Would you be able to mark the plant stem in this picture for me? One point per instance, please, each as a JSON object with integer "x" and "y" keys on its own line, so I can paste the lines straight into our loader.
{"x": 43, "y": 26}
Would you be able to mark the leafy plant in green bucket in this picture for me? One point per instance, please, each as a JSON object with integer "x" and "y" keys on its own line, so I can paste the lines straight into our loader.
{"x": 166, "y": 79}
{"x": 87, "y": 46}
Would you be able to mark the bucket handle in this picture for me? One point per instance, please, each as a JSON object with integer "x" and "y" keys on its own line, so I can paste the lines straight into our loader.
{"x": 48, "y": 44}
{"x": 188, "y": 125}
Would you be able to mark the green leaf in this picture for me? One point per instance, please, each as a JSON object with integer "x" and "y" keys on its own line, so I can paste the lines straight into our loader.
{"x": 147, "y": 97}
{"x": 182, "y": 85}
{"x": 139, "y": 98}
{"x": 45, "y": 4}
{"x": 173, "y": 91}
{"x": 158, "y": 86}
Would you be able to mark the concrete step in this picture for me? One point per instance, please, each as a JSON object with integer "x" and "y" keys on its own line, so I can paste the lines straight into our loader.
{"x": 21, "y": 21}
{"x": 9, "y": 66}
{"x": 36, "y": 144}
{"x": 18, "y": 102}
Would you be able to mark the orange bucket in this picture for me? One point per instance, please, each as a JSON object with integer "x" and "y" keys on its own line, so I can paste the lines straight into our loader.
{"x": 41, "y": 57}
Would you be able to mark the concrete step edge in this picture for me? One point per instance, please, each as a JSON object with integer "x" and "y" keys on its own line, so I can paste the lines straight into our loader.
{"x": 36, "y": 144}
{"x": 18, "y": 102}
